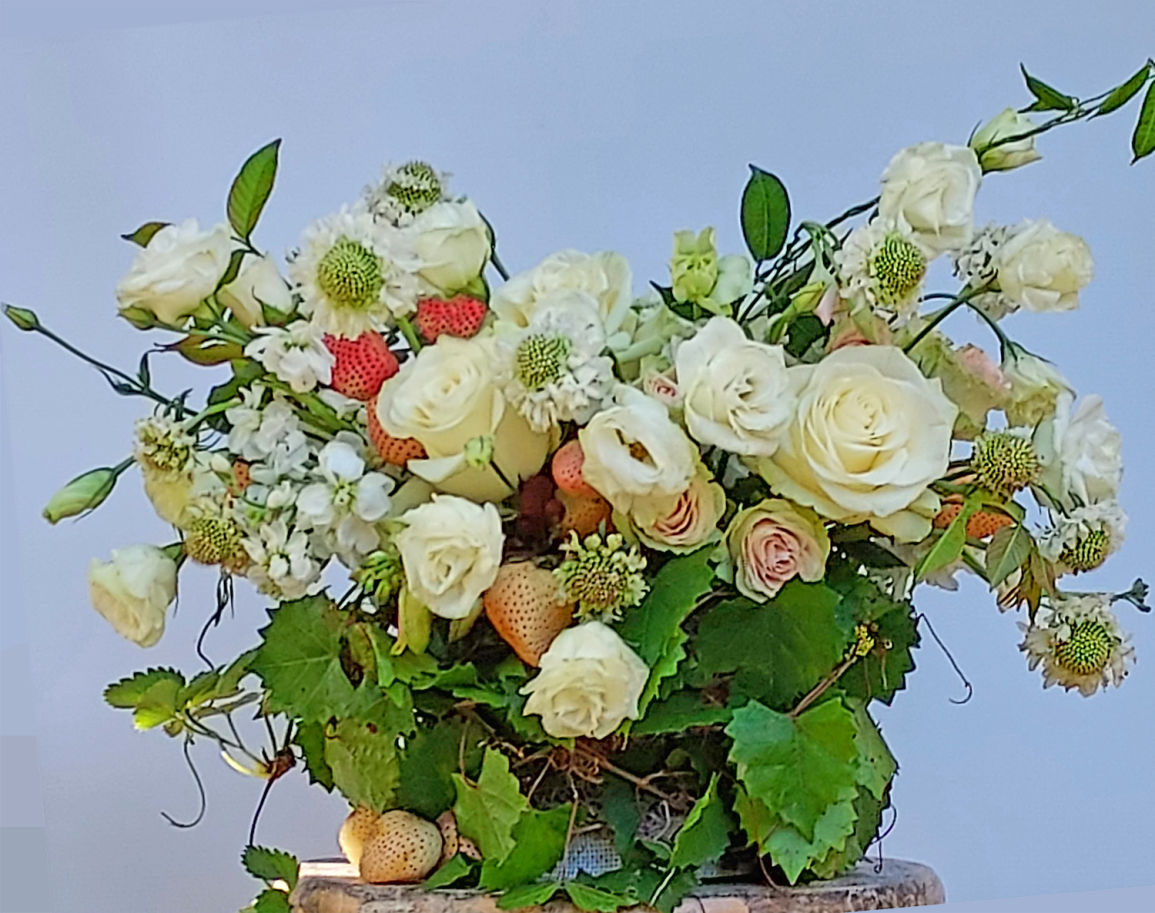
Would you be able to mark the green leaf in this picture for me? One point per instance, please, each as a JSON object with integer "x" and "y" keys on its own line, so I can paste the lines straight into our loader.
{"x": 949, "y": 546}
{"x": 655, "y": 627}
{"x": 272, "y": 901}
{"x": 587, "y": 897}
{"x": 251, "y": 188}
{"x": 144, "y": 234}
{"x": 539, "y": 839}
{"x": 681, "y": 711}
{"x": 1143, "y": 139}
{"x": 1124, "y": 93}
{"x": 448, "y": 874}
{"x": 201, "y": 689}
{"x": 159, "y": 705}
{"x": 882, "y": 672}
{"x": 310, "y": 738}
{"x": 874, "y": 766}
{"x": 127, "y": 693}
{"x": 527, "y": 895}
{"x": 1006, "y": 552}
{"x": 621, "y": 812}
{"x": 427, "y": 766}
{"x": 796, "y": 767}
{"x": 1046, "y": 98}
{"x": 488, "y": 811}
{"x": 765, "y": 214}
{"x": 234, "y": 673}
{"x": 271, "y": 865}
{"x": 804, "y": 330}
{"x": 868, "y": 814}
{"x": 364, "y": 762}
{"x": 794, "y": 853}
{"x": 705, "y": 834}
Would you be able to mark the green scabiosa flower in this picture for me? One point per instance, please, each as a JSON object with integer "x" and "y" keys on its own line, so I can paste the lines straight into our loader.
{"x": 601, "y": 575}
{"x": 1004, "y": 462}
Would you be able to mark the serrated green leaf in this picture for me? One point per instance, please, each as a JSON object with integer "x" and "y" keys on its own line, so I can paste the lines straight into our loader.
{"x": 310, "y": 738}
{"x": 874, "y": 766}
{"x": 427, "y": 766}
{"x": 145, "y": 233}
{"x": 949, "y": 546}
{"x": 765, "y": 214}
{"x": 1046, "y": 98}
{"x": 365, "y": 763}
{"x": 681, "y": 711}
{"x": 868, "y": 813}
{"x": 159, "y": 706}
{"x": 271, "y": 865}
{"x": 202, "y": 688}
{"x": 272, "y": 901}
{"x": 621, "y": 812}
{"x": 488, "y": 811}
{"x": 1006, "y": 552}
{"x": 127, "y": 693}
{"x": 527, "y": 895}
{"x": 705, "y": 834}
{"x": 448, "y": 874}
{"x": 794, "y": 853}
{"x": 1124, "y": 93}
{"x": 234, "y": 673}
{"x": 596, "y": 900}
{"x": 539, "y": 839}
{"x": 796, "y": 767}
{"x": 251, "y": 189}
{"x": 882, "y": 672}
{"x": 1143, "y": 139}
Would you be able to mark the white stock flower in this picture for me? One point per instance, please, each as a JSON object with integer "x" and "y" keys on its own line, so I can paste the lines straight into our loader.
{"x": 633, "y": 450}
{"x": 282, "y": 564}
{"x": 346, "y": 503}
{"x": 1079, "y": 643}
{"x": 1080, "y": 453}
{"x": 451, "y": 550}
{"x": 355, "y": 274}
{"x": 977, "y": 265}
{"x": 734, "y": 392}
{"x": 605, "y": 275}
{"x": 133, "y": 590}
{"x": 589, "y": 682}
{"x": 179, "y": 268}
{"x": 881, "y": 265}
{"x": 869, "y": 436}
{"x": 269, "y": 436}
{"x": 1007, "y": 155}
{"x": 452, "y": 241}
{"x": 1042, "y": 268}
{"x": 553, "y": 370}
{"x": 258, "y": 284}
{"x": 931, "y": 188}
{"x": 296, "y": 354}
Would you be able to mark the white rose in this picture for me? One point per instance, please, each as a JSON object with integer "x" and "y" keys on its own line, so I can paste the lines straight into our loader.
{"x": 735, "y": 392}
{"x": 1034, "y": 385}
{"x": 606, "y": 276}
{"x": 1042, "y": 268}
{"x": 133, "y": 590}
{"x": 634, "y": 450}
{"x": 1080, "y": 453}
{"x": 451, "y": 550}
{"x": 445, "y": 398}
{"x": 453, "y": 243}
{"x": 589, "y": 682}
{"x": 179, "y": 268}
{"x": 931, "y": 187}
{"x": 1005, "y": 156}
{"x": 258, "y": 284}
{"x": 869, "y": 436}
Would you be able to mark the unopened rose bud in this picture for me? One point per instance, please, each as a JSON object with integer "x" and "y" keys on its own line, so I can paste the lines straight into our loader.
{"x": 84, "y": 493}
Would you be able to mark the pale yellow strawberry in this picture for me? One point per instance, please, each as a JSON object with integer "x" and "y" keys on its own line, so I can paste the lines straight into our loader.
{"x": 406, "y": 850}
{"x": 583, "y": 515}
{"x": 981, "y": 524}
{"x": 525, "y": 607}
{"x": 362, "y": 825}
{"x": 450, "y": 838}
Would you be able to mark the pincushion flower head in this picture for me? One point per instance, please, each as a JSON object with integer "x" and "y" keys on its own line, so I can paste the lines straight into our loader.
{"x": 407, "y": 190}
{"x": 1079, "y": 644}
{"x": 355, "y": 274}
{"x": 346, "y": 502}
{"x": 601, "y": 575}
{"x": 1083, "y": 538}
{"x": 882, "y": 265}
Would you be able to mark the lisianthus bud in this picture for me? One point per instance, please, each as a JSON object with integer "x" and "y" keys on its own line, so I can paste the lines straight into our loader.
{"x": 22, "y": 317}
{"x": 84, "y": 493}
{"x": 139, "y": 318}
{"x": 1008, "y": 155}
{"x": 694, "y": 265}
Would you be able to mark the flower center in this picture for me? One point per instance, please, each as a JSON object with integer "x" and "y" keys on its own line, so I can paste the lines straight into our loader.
{"x": 540, "y": 360}
{"x": 1004, "y": 462}
{"x": 1087, "y": 650}
{"x": 898, "y": 267}
{"x": 1088, "y": 553}
{"x": 350, "y": 275}
{"x": 415, "y": 187}
{"x": 601, "y": 576}
{"x": 214, "y": 540}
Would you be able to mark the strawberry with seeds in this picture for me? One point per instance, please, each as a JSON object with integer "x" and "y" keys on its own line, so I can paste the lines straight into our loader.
{"x": 459, "y": 316}
{"x": 362, "y": 364}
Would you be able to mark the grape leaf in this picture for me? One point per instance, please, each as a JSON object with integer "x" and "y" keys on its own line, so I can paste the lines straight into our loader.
{"x": 448, "y": 874}
{"x": 539, "y": 839}
{"x": 620, "y": 811}
{"x": 705, "y": 834}
{"x": 144, "y": 234}
{"x": 793, "y": 853}
{"x": 682, "y": 710}
{"x": 868, "y": 814}
{"x": 596, "y": 900}
{"x": 127, "y": 693}
{"x": 271, "y": 865}
{"x": 364, "y": 761}
{"x": 272, "y": 901}
{"x": 527, "y": 895}
{"x": 874, "y": 766}
{"x": 427, "y": 764}
{"x": 251, "y": 188}
{"x": 310, "y": 738}
{"x": 488, "y": 811}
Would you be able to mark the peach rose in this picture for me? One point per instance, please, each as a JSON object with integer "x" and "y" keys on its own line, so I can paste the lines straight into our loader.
{"x": 773, "y": 542}
{"x": 685, "y": 522}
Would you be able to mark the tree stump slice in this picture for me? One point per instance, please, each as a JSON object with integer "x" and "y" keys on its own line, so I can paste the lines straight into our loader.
{"x": 333, "y": 887}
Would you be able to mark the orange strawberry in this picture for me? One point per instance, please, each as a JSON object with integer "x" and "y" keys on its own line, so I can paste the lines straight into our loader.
{"x": 396, "y": 451}
{"x": 242, "y": 478}
{"x": 405, "y": 850}
{"x": 459, "y": 316}
{"x": 583, "y": 515}
{"x": 525, "y": 607}
{"x": 362, "y": 365}
{"x": 567, "y": 471}
{"x": 981, "y": 524}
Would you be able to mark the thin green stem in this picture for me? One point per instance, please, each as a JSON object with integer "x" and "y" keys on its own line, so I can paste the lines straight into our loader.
{"x": 498, "y": 265}
{"x": 410, "y": 334}
{"x": 942, "y": 314}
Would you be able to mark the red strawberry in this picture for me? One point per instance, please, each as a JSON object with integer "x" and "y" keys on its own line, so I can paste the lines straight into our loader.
{"x": 981, "y": 524}
{"x": 459, "y": 316}
{"x": 567, "y": 471}
{"x": 396, "y": 451}
{"x": 242, "y": 478}
{"x": 525, "y": 607}
{"x": 584, "y": 515}
{"x": 362, "y": 364}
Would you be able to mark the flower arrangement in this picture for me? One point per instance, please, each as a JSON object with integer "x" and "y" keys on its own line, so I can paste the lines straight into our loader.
{"x": 550, "y": 563}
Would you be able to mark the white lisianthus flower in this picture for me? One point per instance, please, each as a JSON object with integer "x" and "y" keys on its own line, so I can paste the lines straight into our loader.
{"x": 452, "y": 241}
{"x": 881, "y": 265}
{"x": 451, "y": 551}
{"x": 1006, "y": 155}
{"x": 869, "y": 436}
{"x": 346, "y": 503}
{"x": 1080, "y": 453}
{"x": 446, "y": 398}
{"x": 553, "y": 370}
{"x": 1042, "y": 268}
{"x": 684, "y": 522}
{"x": 606, "y": 276}
{"x": 282, "y": 564}
{"x": 133, "y": 590}
{"x": 633, "y": 450}
{"x": 179, "y": 268}
{"x": 296, "y": 354}
{"x": 589, "y": 682}
{"x": 1079, "y": 643}
{"x": 931, "y": 188}
{"x": 258, "y": 284}
{"x": 734, "y": 392}
{"x": 773, "y": 542}
{"x": 354, "y": 273}
{"x": 1035, "y": 385}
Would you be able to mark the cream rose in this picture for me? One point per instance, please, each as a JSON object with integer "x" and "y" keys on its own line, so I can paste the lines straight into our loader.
{"x": 133, "y": 590}
{"x": 1034, "y": 384}
{"x": 450, "y": 550}
{"x": 684, "y": 522}
{"x": 606, "y": 276}
{"x": 588, "y": 683}
{"x": 1042, "y": 268}
{"x": 735, "y": 393}
{"x": 453, "y": 243}
{"x": 1080, "y": 452}
{"x": 773, "y": 542}
{"x": 931, "y": 187}
{"x": 258, "y": 284}
{"x": 869, "y": 436}
{"x": 634, "y": 450}
{"x": 1005, "y": 156}
{"x": 179, "y": 268}
{"x": 445, "y": 398}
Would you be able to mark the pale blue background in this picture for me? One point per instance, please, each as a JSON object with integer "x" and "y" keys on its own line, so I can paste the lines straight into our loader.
{"x": 584, "y": 125}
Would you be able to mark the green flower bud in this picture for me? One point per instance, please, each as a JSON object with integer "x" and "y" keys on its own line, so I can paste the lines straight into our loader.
{"x": 1006, "y": 155}
{"x": 139, "y": 317}
{"x": 22, "y": 317}
{"x": 694, "y": 266}
{"x": 479, "y": 451}
{"x": 84, "y": 493}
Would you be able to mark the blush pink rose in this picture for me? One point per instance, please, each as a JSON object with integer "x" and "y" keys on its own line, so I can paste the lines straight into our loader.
{"x": 685, "y": 522}
{"x": 774, "y": 542}
{"x": 848, "y": 333}
{"x": 662, "y": 387}
{"x": 980, "y": 364}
